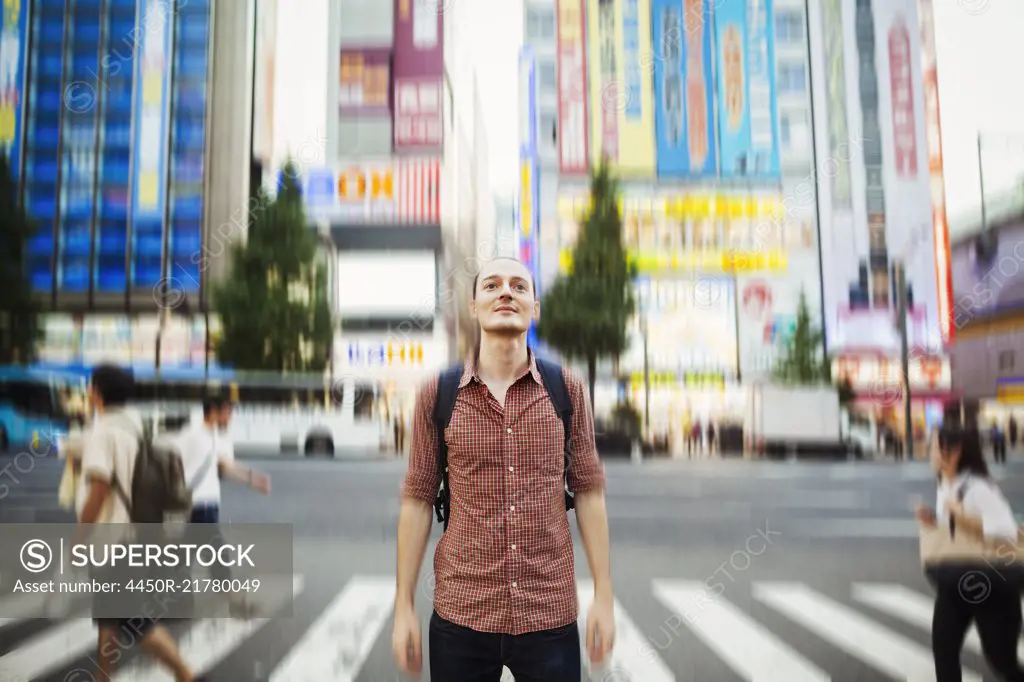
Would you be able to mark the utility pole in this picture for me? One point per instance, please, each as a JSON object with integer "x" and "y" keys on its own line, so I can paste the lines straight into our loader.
{"x": 901, "y": 310}
{"x": 981, "y": 181}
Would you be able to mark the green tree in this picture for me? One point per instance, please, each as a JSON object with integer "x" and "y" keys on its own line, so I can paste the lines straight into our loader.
{"x": 802, "y": 361}
{"x": 19, "y": 311}
{"x": 273, "y": 304}
{"x": 585, "y": 313}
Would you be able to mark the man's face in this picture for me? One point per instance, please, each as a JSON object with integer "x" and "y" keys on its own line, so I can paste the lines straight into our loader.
{"x": 504, "y": 302}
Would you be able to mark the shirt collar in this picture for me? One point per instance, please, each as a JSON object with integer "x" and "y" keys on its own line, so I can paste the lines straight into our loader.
{"x": 469, "y": 371}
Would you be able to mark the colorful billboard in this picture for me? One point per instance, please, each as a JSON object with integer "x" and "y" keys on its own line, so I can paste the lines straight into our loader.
{"x": 835, "y": 80}
{"x": 150, "y": 155}
{"x": 684, "y": 88}
{"x": 364, "y": 82}
{"x": 419, "y": 72}
{"x": 12, "y": 35}
{"x": 529, "y": 187}
{"x": 572, "y": 88}
{"x": 621, "y": 96}
{"x": 940, "y": 229}
{"x": 748, "y": 112}
{"x": 406, "y": 191}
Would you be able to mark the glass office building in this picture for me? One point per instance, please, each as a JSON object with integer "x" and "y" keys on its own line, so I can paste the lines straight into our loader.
{"x": 114, "y": 123}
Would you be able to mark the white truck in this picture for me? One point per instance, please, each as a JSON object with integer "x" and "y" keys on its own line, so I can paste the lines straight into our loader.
{"x": 796, "y": 422}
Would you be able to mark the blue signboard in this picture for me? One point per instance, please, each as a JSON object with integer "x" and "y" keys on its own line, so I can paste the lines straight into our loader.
{"x": 684, "y": 90}
{"x": 747, "y": 109}
{"x": 12, "y": 75}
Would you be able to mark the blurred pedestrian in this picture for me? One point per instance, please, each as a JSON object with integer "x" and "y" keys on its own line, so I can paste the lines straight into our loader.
{"x": 968, "y": 501}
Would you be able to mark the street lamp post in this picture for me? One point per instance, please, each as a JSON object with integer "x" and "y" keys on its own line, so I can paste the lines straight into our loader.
{"x": 899, "y": 273}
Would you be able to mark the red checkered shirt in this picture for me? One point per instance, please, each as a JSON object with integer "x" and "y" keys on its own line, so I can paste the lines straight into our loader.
{"x": 506, "y": 562}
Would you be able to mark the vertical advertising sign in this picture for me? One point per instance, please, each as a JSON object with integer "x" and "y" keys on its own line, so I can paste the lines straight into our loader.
{"x": 835, "y": 79}
{"x": 572, "y": 86}
{"x": 150, "y": 158}
{"x": 364, "y": 82}
{"x": 621, "y": 92}
{"x": 12, "y": 74}
{"x": 529, "y": 189}
{"x": 419, "y": 70}
{"x": 684, "y": 88}
{"x": 747, "y": 107}
{"x": 940, "y": 229}
{"x": 901, "y": 85}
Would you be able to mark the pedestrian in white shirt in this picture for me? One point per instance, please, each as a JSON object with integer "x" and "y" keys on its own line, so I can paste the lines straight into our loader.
{"x": 108, "y": 460}
{"x": 207, "y": 456}
{"x": 969, "y": 501}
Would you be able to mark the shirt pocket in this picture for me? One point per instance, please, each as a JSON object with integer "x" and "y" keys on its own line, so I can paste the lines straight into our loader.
{"x": 541, "y": 440}
{"x": 473, "y": 441}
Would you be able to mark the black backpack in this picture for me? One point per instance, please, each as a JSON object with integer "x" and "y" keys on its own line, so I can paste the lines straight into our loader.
{"x": 448, "y": 388}
{"x": 158, "y": 481}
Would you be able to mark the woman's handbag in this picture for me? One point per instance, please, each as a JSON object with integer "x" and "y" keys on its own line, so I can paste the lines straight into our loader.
{"x": 949, "y": 553}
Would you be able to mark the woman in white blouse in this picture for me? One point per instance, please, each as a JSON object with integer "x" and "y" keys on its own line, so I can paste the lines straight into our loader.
{"x": 968, "y": 496}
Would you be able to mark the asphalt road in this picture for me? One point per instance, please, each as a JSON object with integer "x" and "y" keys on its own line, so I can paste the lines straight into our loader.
{"x": 723, "y": 571}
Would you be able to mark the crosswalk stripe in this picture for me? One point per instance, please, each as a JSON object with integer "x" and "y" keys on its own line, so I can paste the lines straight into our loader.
{"x": 911, "y": 607}
{"x": 886, "y": 650}
{"x": 632, "y": 654}
{"x": 49, "y": 650}
{"x": 749, "y": 648}
{"x": 338, "y": 643}
{"x": 205, "y": 644}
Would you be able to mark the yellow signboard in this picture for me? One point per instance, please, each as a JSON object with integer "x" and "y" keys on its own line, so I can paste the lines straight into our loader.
{"x": 683, "y": 207}
{"x": 691, "y": 380}
{"x": 358, "y": 183}
{"x": 525, "y": 200}
{"x": 708, "y": 261}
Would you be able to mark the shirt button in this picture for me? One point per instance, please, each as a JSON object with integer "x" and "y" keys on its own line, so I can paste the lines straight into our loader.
{"x": 513, "y": 546}
{"x": 515, "y": 584}
{"x": 511, "y": 469}
{"x": 513, "y": 507}
{"x": 508, "y": 430}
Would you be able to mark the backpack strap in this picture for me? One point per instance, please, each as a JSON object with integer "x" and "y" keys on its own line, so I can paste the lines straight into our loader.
{"x": 554, "y": 382}
{"x": 444, "y": 405}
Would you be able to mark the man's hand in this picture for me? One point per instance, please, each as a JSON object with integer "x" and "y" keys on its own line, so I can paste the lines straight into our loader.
{"x": 260, "y": 482}
{"x": 406, "y": 642}
{"x": 600, "y": 630}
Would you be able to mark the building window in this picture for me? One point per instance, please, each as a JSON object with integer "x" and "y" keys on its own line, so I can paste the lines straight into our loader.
{"x": 547, "y": 76}
{"x": 789, "y": 26}
{"x": 793, "y": 133}
{"x": 1006, "y": 360}
{"x": 792, "y": 78}
{"x": 785, "y": 132}
{"x": 540, "y": 24}
{"x": 547, "y": 133}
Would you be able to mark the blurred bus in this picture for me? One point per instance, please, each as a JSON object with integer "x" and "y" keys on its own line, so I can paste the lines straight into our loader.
{"x": 39, "y": 406}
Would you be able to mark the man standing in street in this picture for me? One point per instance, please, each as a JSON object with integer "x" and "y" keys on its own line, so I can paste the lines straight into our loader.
{"x": 505, "y": 583}
{"x": 109, "y": 452}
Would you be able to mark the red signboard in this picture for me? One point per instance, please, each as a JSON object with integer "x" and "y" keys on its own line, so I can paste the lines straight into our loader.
{"x": 418, "y": 113}
{"x": 901, "y": 81}
{"x": 572, "y": 80}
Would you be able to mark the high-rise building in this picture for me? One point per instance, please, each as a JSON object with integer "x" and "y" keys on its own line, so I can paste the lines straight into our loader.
{"x": 130, "y": 140}
{"x": 400, "y": 193}
{"x": 765, "y": 149}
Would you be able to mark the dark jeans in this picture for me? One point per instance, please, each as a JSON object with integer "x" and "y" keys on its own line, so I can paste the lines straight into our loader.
{"x": 458, "y": 654}
{"x": 998, "y": 619}
{"x": 204, "y": 529}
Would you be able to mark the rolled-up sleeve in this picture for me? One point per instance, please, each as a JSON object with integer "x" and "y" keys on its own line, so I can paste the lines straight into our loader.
{"x": 422, "y": 478}
{"x": 587, "y": 472}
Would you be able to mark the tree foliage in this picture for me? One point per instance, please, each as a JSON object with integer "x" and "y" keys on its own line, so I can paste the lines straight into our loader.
{"x": 19, "y": 311}
{"x": 585, "y": 313}
{"x": 273, "y": 304}
{"x": 803, "y": 360}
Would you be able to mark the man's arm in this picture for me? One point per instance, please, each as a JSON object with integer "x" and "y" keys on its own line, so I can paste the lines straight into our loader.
{"x": 587, "y": 481}
{"x": 418, "y": 494}
{"x": 98, "y": 468}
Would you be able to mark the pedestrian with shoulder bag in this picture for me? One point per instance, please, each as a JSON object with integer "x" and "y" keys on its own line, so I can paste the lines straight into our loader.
{"x": 972, "y": 554}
